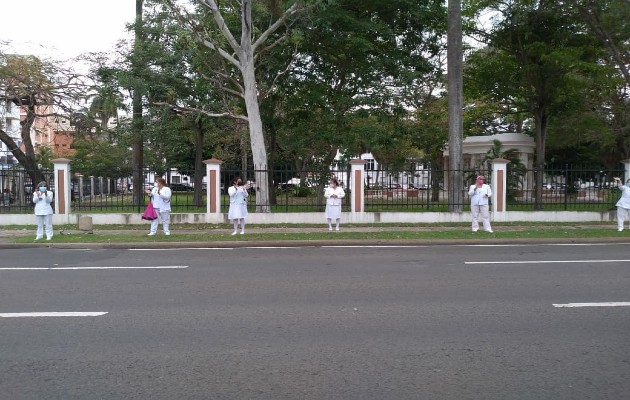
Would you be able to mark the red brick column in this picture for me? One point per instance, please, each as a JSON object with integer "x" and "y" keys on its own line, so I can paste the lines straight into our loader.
{"x": 213, "y": 190}
{"x": 357, "y": 179}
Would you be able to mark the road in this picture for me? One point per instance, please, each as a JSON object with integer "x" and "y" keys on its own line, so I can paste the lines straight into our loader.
{"x": 434, "y": 322}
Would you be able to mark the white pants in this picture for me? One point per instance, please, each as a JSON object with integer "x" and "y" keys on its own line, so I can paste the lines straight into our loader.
{"x": 41, "y": 221}
{"x": 622, "y": 215}
{"x": 165, "y": 216}
{"x": 485, "y": 214}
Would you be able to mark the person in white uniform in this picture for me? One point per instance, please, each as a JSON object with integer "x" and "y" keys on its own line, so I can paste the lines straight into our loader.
{"x": 161, "y": 199}
{"x": 43, "y": 198}
{"x": 238, "y": 204}
{"x": 333, "y": 195}
{"x": 480, "y": 194}
{"x": 623, "y": 205}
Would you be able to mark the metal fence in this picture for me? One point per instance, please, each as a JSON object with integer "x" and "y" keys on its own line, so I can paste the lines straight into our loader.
{"x": 418, "y": 190}
{"x": 100, "y": 194}
{"x": 564, "y": 188}
{"x": 290, "y": 190}
{"x": 17, "y": 187}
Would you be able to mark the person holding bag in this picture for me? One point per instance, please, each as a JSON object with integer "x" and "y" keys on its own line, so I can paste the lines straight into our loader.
{"x": 161, "y": 200}
{"x": 43, "y": 198}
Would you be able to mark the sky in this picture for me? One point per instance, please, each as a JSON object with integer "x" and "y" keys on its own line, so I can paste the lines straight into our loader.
{"x": 64, "y": 29}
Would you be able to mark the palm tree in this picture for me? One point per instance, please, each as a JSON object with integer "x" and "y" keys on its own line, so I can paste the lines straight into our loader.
{"x": 516, "y": 170}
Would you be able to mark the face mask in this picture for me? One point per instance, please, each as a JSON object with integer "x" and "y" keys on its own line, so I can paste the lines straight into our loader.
{"x": 42, "y": 188}
{"x": 155, "y": 184}
{"x": 628, "y": 184}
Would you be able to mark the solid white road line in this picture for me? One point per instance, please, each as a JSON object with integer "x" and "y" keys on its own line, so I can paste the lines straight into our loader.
{"x": 605, "y": 304}
{"x": 546, "y": 262}
{"x": 88, "y": 268}
{"x": 51, "y": 314}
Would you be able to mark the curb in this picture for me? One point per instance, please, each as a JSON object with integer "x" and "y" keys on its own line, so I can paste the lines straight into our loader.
{"x": 315, "y": 243}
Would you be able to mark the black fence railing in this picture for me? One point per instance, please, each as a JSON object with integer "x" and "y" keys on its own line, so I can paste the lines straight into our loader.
{"x": 563, "y": 188}
{"x": 423, "y": 189}
{"x": 99, "y": 194}
{"x": 17, "y": 186}
{"x": 420, "y": 190}
{"x": 289, "y": 190}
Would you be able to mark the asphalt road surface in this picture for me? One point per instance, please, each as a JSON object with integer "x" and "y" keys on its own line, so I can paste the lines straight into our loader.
{"x": 436, "y": 322}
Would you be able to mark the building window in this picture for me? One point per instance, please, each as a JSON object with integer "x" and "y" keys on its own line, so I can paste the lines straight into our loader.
{"x": 370, "y": 164}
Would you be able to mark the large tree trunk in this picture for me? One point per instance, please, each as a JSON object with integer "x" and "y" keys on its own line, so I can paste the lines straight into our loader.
{"x": 137, "y": 124}
{"x": 256, "y": 135}
{"x": 455, "y": 107}
{"x": 540, "y": 119}
{"x": 199, "y": 165}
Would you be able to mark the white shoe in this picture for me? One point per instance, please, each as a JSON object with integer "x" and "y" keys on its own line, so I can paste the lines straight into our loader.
{"x": 39, "y": 238}
{"x": 50, "y": 238}
{"x": 489, "y": 231}
{"x": 618, "y": 230}
{"x": 234, "y": 233}
{"x": 330, "y": 229}
{"x": 337, "y": 229}
{"x": 151, "y": 234}
{"x": 475, "y": 230}
{"x": 242, "y": 232}
{"x": 167, "y": 233}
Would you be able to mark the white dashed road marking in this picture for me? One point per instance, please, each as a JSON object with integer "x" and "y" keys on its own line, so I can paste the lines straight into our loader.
{"x": 605, "y": 304}
{"x": 88, "y": 268}
{"x": 547, "y": 262}
{"x": 51, "y": 314}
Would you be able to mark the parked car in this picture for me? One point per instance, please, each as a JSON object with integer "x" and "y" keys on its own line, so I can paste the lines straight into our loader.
{"x": 181, "y": 187}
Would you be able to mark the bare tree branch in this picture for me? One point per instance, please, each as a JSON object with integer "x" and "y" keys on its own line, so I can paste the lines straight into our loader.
{"x": 274, "y": 27}
{"x": 188, "y": 110}
{"x": 218, "y": 18}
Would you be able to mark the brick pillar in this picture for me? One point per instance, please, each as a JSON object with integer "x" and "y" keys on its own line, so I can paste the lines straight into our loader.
{"x": 499, "y": 185}
{"x": 357, "y": 177}
{"x": 62, "y": 185}
{"x": 213, "y": 190}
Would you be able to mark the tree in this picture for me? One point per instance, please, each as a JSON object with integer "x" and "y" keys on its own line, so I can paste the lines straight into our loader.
{"x": 455, "y": 106}
{"x": 516, "y": 170}
{"x": 241, "y": 54}
{"x": 357, "y": 70}
{"x": 539, "y": 61}
{"x": 608, "y": 21}
{"x": 44, "y": 90}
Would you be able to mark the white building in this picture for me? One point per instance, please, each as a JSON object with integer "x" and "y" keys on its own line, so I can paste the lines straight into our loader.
{"x": 416, "y": 174}
{"x": 10, "y": 123}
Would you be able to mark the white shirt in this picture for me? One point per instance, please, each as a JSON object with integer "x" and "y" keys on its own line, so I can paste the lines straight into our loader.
{"x": 42, "y": 202}
{"x": 624, "y": 200}
{"x": 161, "y": 199}
{"x": 479, "y": 196}
{"x": 237, "y": 195}
{"x": 334, "y": 201}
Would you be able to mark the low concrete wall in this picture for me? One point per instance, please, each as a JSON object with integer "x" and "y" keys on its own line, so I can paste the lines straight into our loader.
{"x": 318, "y": 218}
